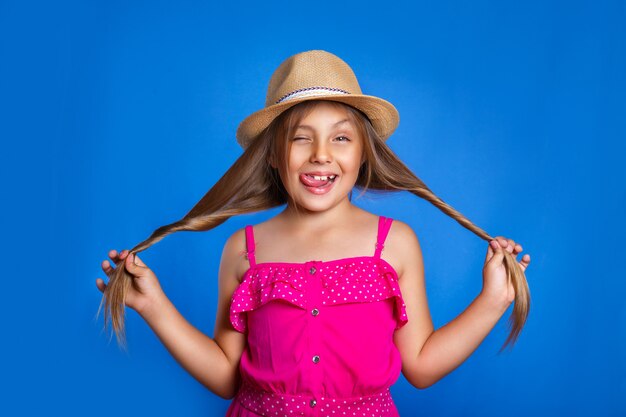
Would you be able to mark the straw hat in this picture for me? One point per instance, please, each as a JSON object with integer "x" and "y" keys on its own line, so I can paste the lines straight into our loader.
{"x": 316, "y": 75}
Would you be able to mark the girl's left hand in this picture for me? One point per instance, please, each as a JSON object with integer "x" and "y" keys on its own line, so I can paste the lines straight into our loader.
{"x": 495, "y": 279}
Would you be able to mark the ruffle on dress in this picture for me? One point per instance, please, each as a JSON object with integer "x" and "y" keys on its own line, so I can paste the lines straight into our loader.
{"x": 349, "y": 280}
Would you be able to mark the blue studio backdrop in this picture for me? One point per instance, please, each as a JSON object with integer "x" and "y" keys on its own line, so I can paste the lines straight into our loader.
{"x": 118, "y": 116}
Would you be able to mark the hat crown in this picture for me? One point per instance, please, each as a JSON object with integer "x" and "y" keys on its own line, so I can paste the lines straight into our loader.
{"x": 308, "y": 71}
{"x": 316, "y": 75}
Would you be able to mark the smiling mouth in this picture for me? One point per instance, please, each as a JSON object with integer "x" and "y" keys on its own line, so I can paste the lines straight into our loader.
{"x": 318, "y": 184}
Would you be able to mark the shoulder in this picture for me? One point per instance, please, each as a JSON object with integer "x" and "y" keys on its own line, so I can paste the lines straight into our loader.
{"x": 234, "y": 259}
{"x": 402, "y": 233}
{"x": 402, "y": 247}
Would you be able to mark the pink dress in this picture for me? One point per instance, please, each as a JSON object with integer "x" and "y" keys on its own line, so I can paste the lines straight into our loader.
{"x": 320, "y": 336}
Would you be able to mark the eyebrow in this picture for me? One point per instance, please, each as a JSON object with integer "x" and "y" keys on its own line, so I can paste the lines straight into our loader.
{"x": 334, "y": 125}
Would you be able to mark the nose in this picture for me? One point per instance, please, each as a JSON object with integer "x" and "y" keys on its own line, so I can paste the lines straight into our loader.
{"x": 320, "y": 153}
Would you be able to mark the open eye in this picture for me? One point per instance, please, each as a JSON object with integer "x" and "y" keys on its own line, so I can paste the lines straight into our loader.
{"x": 342, "y": 139}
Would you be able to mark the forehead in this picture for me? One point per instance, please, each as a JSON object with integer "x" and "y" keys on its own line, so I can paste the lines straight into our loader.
{"x": 325, "y": 115}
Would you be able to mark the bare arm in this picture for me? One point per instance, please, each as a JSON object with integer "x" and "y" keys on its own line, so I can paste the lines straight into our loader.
{"x": 213, "y": 362}
{"x": 200, "y": 355}
{"x": 450, "y": 345}
{"x": 429, "y": 355}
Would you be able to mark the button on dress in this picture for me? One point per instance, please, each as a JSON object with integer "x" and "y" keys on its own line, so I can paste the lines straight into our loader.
{"x": 319, "y": 336}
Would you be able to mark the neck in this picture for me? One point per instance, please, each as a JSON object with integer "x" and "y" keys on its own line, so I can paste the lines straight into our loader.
{"x": 320, "y": 220}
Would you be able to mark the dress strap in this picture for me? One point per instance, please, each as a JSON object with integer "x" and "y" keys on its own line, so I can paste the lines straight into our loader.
{"x": 250, "y": 245}
{"x": 384, "y": 224}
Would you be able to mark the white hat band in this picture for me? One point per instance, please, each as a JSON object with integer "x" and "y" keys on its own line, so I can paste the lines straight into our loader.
{"x": 311, "y": 92}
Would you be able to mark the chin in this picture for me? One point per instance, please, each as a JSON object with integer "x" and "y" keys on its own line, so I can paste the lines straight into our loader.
{"x": 314, "y": 207}
{"x": 319, "y": 204}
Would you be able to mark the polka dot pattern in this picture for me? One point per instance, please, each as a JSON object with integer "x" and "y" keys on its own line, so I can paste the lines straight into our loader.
{"x": 273, "y": 404}
{"x": 327, "y": 349}
{"x": 350, "y": 280}
{"x": 362, "y": 280}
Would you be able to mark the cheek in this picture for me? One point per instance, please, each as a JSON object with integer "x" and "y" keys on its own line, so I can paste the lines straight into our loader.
{"x": 296, "y": 159}
{"x": 291, "y": 173}
{"x": 352, "y": 161}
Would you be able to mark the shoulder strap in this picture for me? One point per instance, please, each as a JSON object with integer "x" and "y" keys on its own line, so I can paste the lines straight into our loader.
{"x": 384, "y": 224}
{"x": 250, "y": 245}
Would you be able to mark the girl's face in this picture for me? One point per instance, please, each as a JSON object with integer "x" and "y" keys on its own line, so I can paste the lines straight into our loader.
{"x": 325, "y": 155}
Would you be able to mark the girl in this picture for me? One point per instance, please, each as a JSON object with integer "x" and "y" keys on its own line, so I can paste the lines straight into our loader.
{"x": 322, "y": 306}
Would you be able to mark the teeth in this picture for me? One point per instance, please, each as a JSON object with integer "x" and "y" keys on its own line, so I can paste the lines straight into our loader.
{"x": 324, "y": 177}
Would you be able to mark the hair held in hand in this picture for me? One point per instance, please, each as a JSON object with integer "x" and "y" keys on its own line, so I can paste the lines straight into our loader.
{"x": 251, "y": 184}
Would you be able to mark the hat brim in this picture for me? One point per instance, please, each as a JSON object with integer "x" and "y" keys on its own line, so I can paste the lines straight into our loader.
{"x": 383, "y": 115}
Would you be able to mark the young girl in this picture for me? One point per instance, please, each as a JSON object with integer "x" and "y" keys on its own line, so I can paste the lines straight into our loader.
{"x": 321, "y": 307}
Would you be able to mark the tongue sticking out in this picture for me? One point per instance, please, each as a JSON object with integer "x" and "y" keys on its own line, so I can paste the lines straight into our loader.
{"x": 312, "y": 182}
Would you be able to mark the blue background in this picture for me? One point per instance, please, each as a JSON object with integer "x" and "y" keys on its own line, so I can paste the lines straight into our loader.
{"x": 117, "y": 117}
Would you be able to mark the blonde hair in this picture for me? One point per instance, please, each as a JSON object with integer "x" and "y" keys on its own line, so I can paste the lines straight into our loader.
{"x": 251, "y": 184}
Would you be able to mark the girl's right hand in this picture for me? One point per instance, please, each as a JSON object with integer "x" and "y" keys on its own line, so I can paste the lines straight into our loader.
{"x": 145, "y": 290}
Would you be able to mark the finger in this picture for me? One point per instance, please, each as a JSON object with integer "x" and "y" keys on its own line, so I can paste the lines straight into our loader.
{"x": 490, "y": 250}
{"x": 100, "y": 284}
{"x": 498, "y": 256}
{"x": 138, "y": 261}
{"x": 525, "y": 262}
{"x": 503, "y": 242}
{"x": 132, "y": 267}
{"x": 115, "y": 256}
{"x": 123, "y": 255}
{"x": 510, "y": 245}
{"x": 106, "y": 267}
{"x": 506, "y": 244}
{"x": 494, "y": 247}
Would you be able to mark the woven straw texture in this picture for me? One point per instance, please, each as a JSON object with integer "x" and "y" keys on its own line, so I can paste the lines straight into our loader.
{"x": 316, "y": 75}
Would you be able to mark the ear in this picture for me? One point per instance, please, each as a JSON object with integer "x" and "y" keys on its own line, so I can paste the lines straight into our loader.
{"x": 271, "y": 161}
